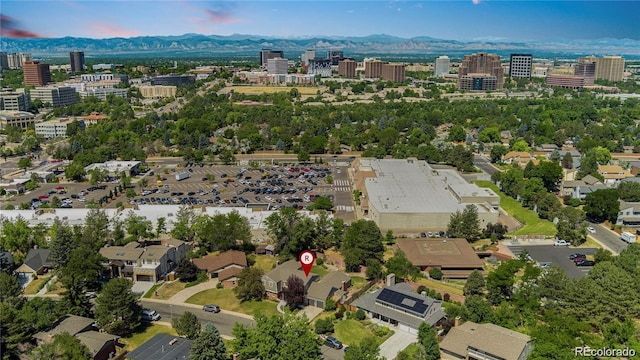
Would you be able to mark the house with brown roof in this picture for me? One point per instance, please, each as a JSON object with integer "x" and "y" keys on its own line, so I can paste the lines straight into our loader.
{"x": 276, "y": 280}
{"x": 485, "y": 341}
{"x": 121, "y": 260}
{"x": 613, "y": 174}
{"x": 454, "y": 257}
{"x": 225, "y": 267}
{"x": 520, "y": 158}
{"x": 150, "y": 263}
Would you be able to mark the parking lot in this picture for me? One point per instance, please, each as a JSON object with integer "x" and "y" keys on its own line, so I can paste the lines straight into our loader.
{"x": 557, "y": 255}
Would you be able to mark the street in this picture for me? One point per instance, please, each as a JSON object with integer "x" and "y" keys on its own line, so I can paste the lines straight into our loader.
{"x": 608, "y": 238}
{"x": 484, "y": 164}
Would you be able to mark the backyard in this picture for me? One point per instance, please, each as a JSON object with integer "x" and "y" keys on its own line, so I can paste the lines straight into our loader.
{"x": 227, "y": 300}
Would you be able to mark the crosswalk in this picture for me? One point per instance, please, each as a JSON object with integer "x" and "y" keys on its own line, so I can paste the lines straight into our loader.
{"x": 341, "y": 185}
{"x": 346, "y": 208}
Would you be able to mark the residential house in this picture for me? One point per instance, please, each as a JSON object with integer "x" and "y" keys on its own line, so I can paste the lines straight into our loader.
{"x": 121, "y": 260}
{"x": 485, "y": 341}
{"x": 613, "y": 174}
{"x": 520, "y": 158}
{"x": 265, "y": 249}
{"x": 225, "y": 267}
{"x": 162, "y": 347}
{"x": 333, "y": 285}
{"x": 36, "y": 263}
{"x": 101, "y": 345}
{"x": 454, "y": 257}
{"x": 400, "y": 306}
{"x": 548, "y": 147}
{"x": 575, "y": 157}
{"x": 276, "y": 280}
{"x": 629, "y": 214}
{"x": 580, "y": 188}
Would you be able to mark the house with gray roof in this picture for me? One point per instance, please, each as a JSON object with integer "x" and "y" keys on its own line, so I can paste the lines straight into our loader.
{"x": 629, "y": 214}
{"x": 400, "y": 306}
{"x": 162, "y": 347}
{"x": 276, "y": 280}
{"x": 37, "y": 262}
{"x": 485, "y": 341}
{"x": 333, "y": 285}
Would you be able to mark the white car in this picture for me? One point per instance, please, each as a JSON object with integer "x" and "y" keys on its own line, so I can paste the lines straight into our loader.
{"x": 82, "y": 199}
{"x": 561, "y": 243}
{"x": 591, "y": 230}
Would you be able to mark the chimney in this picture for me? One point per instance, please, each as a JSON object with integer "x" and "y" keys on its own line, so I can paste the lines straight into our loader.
{"x": 391, "y": 279}
{"x": 343, "y": 286}
{"x": 456, "y": 323}
{"x": 236, "y": 356}
{"x": 424, "y": 294}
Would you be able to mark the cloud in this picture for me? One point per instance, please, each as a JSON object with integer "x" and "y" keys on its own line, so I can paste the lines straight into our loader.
{"x": 10, "y": 28}
{"x": 475, "y": 2}
{"x": 106, "y": 30}
{"x": 219, "y": 17}
{"x": 350, "y": 11}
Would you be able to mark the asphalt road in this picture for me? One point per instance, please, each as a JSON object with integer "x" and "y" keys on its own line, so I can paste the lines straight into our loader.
{"x": 223, "y": 321}
{"x": 484, "y": 164}
{"x": 608, "y": 238}
{"x": 556, "y": 255}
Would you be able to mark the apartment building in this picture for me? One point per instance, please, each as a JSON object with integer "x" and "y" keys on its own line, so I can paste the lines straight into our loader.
{"x": 481, "y": 63}
{"x": 393, "y": 72}
{"x": 610, "y": 68}
{"x": 347, "y": 68}
{"x": 520, "y": 65}
{"x": 20, "y": 119}
{"x": 157, "y": 91}
{"x": 373, "y": 68}
{"x": 277, "y": 66}
{"x": 15, "y": 60}
{"x": 56, "y": 129}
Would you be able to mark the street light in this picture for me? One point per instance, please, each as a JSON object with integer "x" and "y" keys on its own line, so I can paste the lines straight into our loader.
{"x": 171, "y": 309}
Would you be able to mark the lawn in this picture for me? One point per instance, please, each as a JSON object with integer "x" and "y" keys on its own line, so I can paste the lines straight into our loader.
{"x": 226, "y": 299}
{"x": 351, "y": 331}
{"x": 319, "y": 270}
{"x": 167, "y": 290}
{"x": 35, "y": 285}
{"x": 265, "y": 262}
{"x": 533, "y": 224}
{"x": 358, "y": 282}
{"x": 590, "y": 243}
{"x": 149, "y": 331}
{"x": 411, "y": 351}
{"x": 451, "y": 288}
{"x": 273, "y": 89}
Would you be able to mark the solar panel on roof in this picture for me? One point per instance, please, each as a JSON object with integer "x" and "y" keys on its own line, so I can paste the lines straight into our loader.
{"x": 413, "y": 304}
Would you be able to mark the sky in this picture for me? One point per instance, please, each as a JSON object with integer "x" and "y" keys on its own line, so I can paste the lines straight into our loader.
{"x": 445, "y": 19}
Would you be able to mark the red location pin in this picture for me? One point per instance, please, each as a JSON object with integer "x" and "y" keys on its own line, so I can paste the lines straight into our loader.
{"x": 306, "y": 261}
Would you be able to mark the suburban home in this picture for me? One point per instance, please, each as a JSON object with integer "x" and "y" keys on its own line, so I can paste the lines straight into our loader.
{"x": 485, "y": 341}
{"x": 36, "y": 263}
{"x": 613, "y": 174}
{"x": 521, "y": 158}
{"x": 276, "y": 280}
{"x": 575, "y": 157}
{"x": 121, "y": 260}
{"x": 629, "y": 214}
{"x": 224, "y": 267}
{"x": 399, "y": 305}
{"x": 455, "y": 257}
{"x": 333, "y": 285}
{"x": 265, "y": 249}
{"x": 162, "y": 347}
{"x": 101, "y": 345}
{"x": 548, "y": 147}
{"x": 579, "y": 188}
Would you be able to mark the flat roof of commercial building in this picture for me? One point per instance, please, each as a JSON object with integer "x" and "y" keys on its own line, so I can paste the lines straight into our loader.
{"x": 412, "y": 186}
{"x": 442, "y": 252}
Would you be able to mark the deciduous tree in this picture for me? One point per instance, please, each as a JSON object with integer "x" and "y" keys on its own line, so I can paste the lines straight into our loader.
{"x": 366, "y": 349}
{"x": 293, "y": 293}
{"x": 250, "y": 286}
{"x": 428, "y": 340}
{"x": 475, "y": 284}
{"x": 187, "y": 325}
{"x": 362, "y": 241}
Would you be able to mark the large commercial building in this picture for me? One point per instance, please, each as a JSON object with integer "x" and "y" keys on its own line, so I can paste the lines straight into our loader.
{"x": 586, "y": 68}
{"x": 277, "y": 66}
{"x": 4, "y": 60}
{"x": 266, "y": 54}
{"x": 157, "y": 91}
{"x": 35, "y": 73}
{"x": 410, "y": 195}
{"x": 347, "y": 68}
{"x": 565, "y": 81}
{"x": 102, "y": 93}
{"x": 76, "y": 58}
{"x": 308, "y": 55}
{"x": 373, "y": 68}
{"x": 55, "y": 128}
{"x": 14, "y": 100}
{"x": 15, "y": 60}
{"x": 481, "y": 63}
{"x": 393, "y": 72}
{"x": 442, "y": 65}
{"x": 520, "y": 65}
{"x": 477, "y": 82}
{"x": 319, "y": 67}
{"x": 335, "y": 56}
{"x": 610, "y": 68}
{"x": 21, "y": 119}
{"x": 173, "y": 79}
{"x": 55, "y": 95}
{"x": 104, "y": 77}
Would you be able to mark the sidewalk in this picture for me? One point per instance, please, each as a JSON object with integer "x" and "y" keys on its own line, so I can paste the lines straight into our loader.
{"x": 396, "y": 343}
{"x": 194, "y": 306}
{"x": 183, "y": 295}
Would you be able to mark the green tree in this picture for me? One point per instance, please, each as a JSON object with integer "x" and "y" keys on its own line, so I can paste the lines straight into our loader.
{"x": 56, "y": 202}
{"x": 567, "y": 161}
{"x": 10, "y": 286}
{"x": 186, "y": 271}
{"x": 497, "y": 152}
{"x": 83, "y": 268}
{"x": 321, "y": 203}
{"x": 428, "y": 340}
{"x": 374, "y": 270}
{"x": 117, "y": 309}
{"x": 532, "y": 191}
{"x": 465, "y": 224}
{"x": 74, "y": 171}
{"x": 362, "y": 241}
{"x": 24, "y": 163}
{"x": 161, "y": 226}
{"x": 511, "y": 181}
{"x": 629, "y": 191}
{"x": 479, "y": 310}
{"x": 208, "y": 345}
{"x": 520, "y": 145}
{"x": 401, "y": 266}
{"x": 602, "y": 205}
{"x": 250, "y": 286}
{"x": 187, "y": 325}
{"x": 62, "y": 243}
{"x": 366, "y": 349}
{"x": 457, "y": 134}
{"x": 571, "y": 225}
{"x": 294, "y": 292}
{"x": 222, "y": 231}
{"x": 500, "y": 281}
{"x": 64, "y": 346}
{"x": 475, "y": 284}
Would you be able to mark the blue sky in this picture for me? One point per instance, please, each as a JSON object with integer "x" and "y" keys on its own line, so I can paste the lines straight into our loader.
{"x": 452, "y": 20}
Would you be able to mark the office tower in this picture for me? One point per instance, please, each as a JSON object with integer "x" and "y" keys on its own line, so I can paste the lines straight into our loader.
{"x": 14, "y": 100}
{"x": 442, "y": 65}
{"x": 565, "y": 81}
{"x": 610, "y": 68}
{"x": 393, "y": 72}
{"x": 4, "y": 60}
{"x": 347, "y": 68}
{"x": 335, "y": 56}
{"x": 277, "y": 66}
{"x": 319, "y": 67}
{"x": 482, "y": 66}
{"x": 55, "y": 95}
{"x": 15, "y": 60}
{"x": 36, "y": 73}
{"x": 308, "y": 55}
{"x": 76, "y": 59}
{"x": 266, "y": 54}
{"x": 520, "y": 65}
{"x": 373, "y": 68}
{"x": 586, "y": 68}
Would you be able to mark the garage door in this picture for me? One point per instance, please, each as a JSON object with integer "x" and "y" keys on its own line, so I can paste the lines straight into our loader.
{"x": 404, "y": 328}
{"x": 320, "y": 304}
{"x": 144, "y": 278}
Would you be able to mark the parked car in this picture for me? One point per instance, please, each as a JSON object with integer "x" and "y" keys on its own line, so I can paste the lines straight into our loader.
{"x": 333, "y": 342}
{"x": 545, "y": 265}
{"x": 150, "y": 315}
{"x": 574, "y": 256}
{"x": 211, "y": 308}
{"x": 585, "y": 262}
{"x": 561, "y": 243}
{"x": 591, "y": 230}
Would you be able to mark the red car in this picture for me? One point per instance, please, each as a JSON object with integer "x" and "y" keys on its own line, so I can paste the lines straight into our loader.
{"x": 42, "y": 197}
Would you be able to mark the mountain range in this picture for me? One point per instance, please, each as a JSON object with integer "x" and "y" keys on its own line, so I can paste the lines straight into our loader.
{"x": 190, "y": 44}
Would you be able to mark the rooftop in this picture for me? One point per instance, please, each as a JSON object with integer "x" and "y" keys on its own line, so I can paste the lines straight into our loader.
{"x": 490, "y": 338}
{"x": 443, "y": 252}
{"x": 71, "y": 324}
{"x": 217, "y": 262}
{"x": 162, "y": 347}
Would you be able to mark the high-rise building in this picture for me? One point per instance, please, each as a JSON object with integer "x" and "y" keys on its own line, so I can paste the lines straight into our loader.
{"x": 520, "y": 65}
{"x": 347, "y": 68}
{"x": 335, "y": 56}
{"x": 319, "y": 67}
{"x": 586, "y": 68}
{"x": 393, "y": 72}
{"x": 266, "y": 54}
{"x": 14, "y": 100}
{"x": 36, "y": 73}
{"x": 4, "y": 60}
{"x": 15, "y": 60}
{"x": 277, "y": 66}
{"x": 442, "y": 65}
{"x": 373, "y": 68}
{"x": 477, "y": 82}
{"x": 308, "y": 55}
{"x": 76, "y": 59}
{"x": 481, "y": 63}
{"x": 55, "y": 95}
{"x": 610, "y": 68}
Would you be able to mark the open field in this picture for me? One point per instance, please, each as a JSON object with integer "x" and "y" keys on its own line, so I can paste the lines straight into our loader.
{"x": 533, "y": 224}
{"x": 273, "y": 89}
{"x": 150, "y": 330}
{"x": 227, "y": 300}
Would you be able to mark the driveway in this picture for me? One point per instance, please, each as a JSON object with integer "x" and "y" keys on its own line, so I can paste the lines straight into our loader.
{"x": 183, "y": 295}
{"x": 396, "y": 343}
{"x": 557, "y": 255}
{"x": 142, "y": 287}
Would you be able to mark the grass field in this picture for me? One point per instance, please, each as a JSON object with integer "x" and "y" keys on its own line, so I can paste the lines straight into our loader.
{"x": 265, "y": 262}
{"x": 533, "y": 225}
{"x": 226, "y": 299}
{"x": 411, "y": 351}
{"x": 273, "y": 89}
{"x": 358, "y": 282}
{"x": 147, "y": 333}
{"x": 167, "y": 290}
{"x": 319, "y": 270}
{"x": 451, "y": 288}
{"x": 351, "y": 331}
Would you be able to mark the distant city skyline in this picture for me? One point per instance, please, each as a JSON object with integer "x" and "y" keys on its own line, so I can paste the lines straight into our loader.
{"x": 449, "y": 20}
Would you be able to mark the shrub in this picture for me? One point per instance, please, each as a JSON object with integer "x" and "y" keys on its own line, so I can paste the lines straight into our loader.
{"x": 319, "y": 261}
{"x": 324, "y": 326}
{"x": 438, "y": 296}
{"x": 340, "y": 313}
{"x": 330, "y": 305}
{"x": 446, "y": 297}
{"x": 219, "y": 285}
{"x": 9, "y": 207}
{"x": 381, "y": 331}
{"x": 360, "y": 315}
{"x": 435, "y": 273}
{"x": 119, "y": 204}
{"x": 421, "y": 288}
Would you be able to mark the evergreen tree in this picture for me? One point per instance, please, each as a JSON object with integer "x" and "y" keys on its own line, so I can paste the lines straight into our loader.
{"x": 187, "y": 325}
{"x": 250, "y": 286}
{"x": 64, "y": 346}
{"x": 475, "y": 284}
{"x": 117, "y": 309}
{"x": 208, "y": 345}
